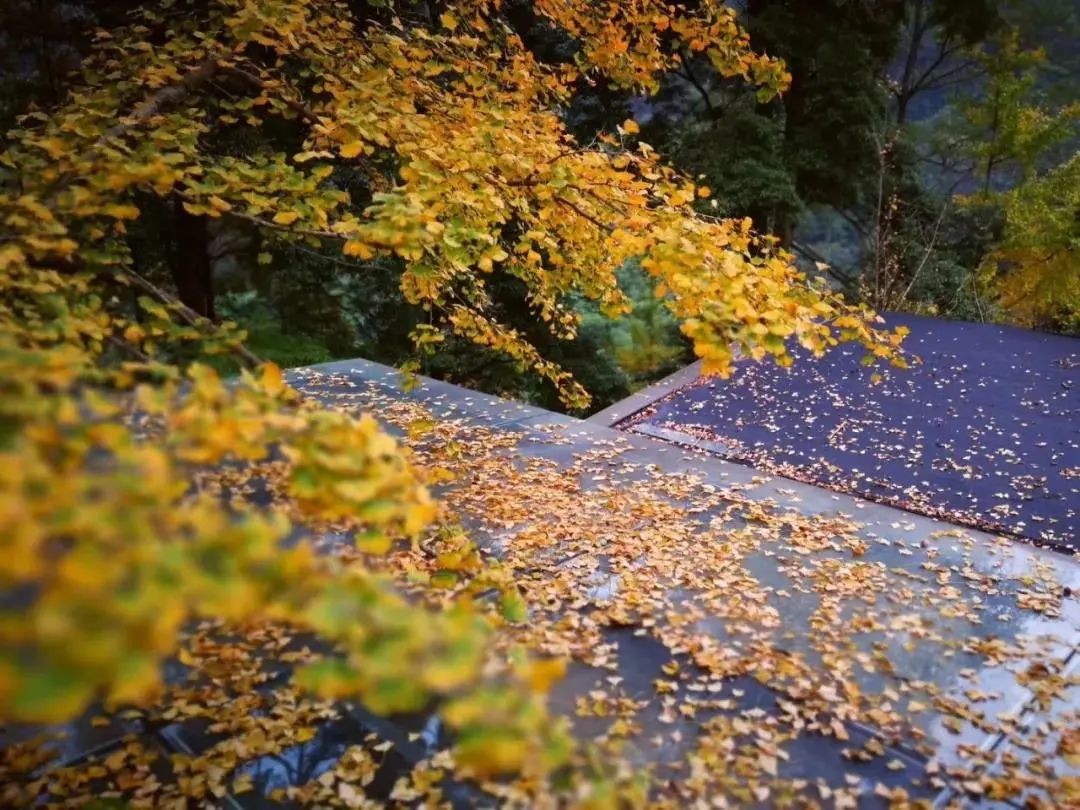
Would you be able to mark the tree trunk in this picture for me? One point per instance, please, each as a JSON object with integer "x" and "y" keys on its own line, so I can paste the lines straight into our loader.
{"x": 784, "y": 228}
{"x": 191, "y": 266}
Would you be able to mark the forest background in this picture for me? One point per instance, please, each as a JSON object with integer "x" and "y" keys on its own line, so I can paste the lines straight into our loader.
{"x": 924, "y": 159}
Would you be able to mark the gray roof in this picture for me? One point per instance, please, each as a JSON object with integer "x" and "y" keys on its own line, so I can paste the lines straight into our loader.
{"x": 736, "y": 619}
{"x": 937, "y": 591}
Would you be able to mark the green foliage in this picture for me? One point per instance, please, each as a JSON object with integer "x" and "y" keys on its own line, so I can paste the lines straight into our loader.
{"x": 743, "y": 157}
{"x": 1036, "y": 265}
{"x": 267, "y": 336}
{"x": 944, "y": 247}
{"x": 645, "y": 344}
{"x": 1008, "y": 131}
{"x": 1021, "y": 137}
{"x": 836, "y": 52}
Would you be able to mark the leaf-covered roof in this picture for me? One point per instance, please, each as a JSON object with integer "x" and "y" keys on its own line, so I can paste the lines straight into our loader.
{"x": 981, "y": 429}
{"x": 712, "y": 630}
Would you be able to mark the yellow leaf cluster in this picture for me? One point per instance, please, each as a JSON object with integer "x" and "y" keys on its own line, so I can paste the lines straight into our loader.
{"x": 456, "y": 131}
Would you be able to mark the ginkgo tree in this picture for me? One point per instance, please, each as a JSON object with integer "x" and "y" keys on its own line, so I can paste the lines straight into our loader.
{"x": 1022, "y": 148}
{"x": 108, "y": 412}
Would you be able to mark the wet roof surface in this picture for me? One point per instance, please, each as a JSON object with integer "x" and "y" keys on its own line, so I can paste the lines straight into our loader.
{"x": 983, "y": 429}
{"x": 740, "y": 635}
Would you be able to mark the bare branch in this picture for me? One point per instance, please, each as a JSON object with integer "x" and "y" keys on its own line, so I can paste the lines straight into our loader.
{"x": 688, "y": 74}
{"x": 926, "y": 254}
{"x": 188, "y": 315}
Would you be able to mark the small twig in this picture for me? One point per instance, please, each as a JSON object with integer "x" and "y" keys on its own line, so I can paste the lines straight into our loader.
{"x": 265, "y": 223}
{"x": 130, "y": 349}
{"x": 582, "y": 213}
{"x": 975, "y": 294}
{"x": 325, "y": 258}
{"x": 189, "y": 316}
{"x": 816, "y": 257}
{"x": 926, "y": 255}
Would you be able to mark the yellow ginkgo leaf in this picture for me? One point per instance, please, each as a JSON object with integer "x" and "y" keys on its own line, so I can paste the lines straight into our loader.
{"x": 285, "y": 217}
{"x": 352, "y": 149}
{"x": 358, "y": 248}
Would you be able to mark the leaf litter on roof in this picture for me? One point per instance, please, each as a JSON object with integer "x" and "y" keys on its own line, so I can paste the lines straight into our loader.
{"x": 705, "y": 647}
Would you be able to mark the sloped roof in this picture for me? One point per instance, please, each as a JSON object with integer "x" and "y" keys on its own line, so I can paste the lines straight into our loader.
{"x": 736, "y": 635}
{"x": 983, "y": 429}
{"x": 764, "y": 606}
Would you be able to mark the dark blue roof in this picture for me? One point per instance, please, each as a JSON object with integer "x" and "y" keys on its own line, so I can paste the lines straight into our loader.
{"x": 983, "y": 429}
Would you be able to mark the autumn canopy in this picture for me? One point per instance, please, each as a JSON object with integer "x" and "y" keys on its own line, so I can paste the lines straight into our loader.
{"x": 437, "y": 141}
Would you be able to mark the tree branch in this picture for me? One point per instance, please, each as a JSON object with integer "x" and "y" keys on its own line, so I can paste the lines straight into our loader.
{"x": 927, "y": 80}
{"x": 163, "y": 99}
{"x": 690, "y": 77}
{"x": 188, "y": 315}
{"x": 582, "y": 213}
{"x": 926, "y": 254}
{"x": 204, "y": 72}
{"x": 253, "y": 81}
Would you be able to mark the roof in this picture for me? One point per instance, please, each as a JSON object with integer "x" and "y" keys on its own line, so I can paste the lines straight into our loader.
{"x": 983, "y": 429}
{"x": 738, "y": 635}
